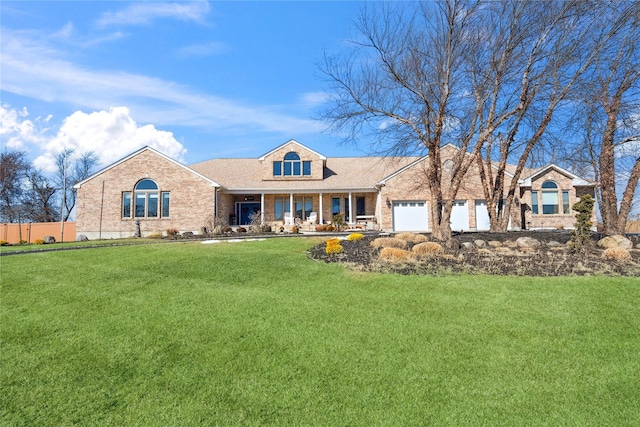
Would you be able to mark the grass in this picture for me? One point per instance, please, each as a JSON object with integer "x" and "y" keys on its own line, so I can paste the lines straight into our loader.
{"x": 254, "y": 333}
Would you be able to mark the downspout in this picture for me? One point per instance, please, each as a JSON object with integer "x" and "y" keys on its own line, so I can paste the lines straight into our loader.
{"x": 101, "y": 210}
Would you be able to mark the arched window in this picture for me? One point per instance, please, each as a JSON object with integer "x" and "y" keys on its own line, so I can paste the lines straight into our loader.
{"x": 146, "y": 199}
{"x": 292, "y": 166}
{"x": 550, "y": 204}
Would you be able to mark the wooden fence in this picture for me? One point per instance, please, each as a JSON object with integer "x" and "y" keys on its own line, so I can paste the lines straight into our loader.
{"x": 30, "y": 232}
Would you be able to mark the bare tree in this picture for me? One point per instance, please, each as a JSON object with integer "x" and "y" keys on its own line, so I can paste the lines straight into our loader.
{"x": 485, "y": 76}
{"x": 38, "y": 200}
{"x": 403, "y": 85}
{"x": 555, "y": 44}
{"x": 14, "y": 168}
{"x": 70, "y": 171}
{"x": 609, "y": 122}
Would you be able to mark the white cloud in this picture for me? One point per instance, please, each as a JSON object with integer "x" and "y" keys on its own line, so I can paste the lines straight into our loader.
{"x": 315, "y": 99}
{"x": 111, "y": 135}
{"x": 32, "y": 68}
{"x": 16, "y": 132}
{"x": 145, "y": 13}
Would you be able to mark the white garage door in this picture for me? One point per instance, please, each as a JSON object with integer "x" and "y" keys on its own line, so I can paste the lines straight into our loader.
{"x": 460, "y": 216}
{"x": 482, "y": 216}
{"x": 410, "y": 216}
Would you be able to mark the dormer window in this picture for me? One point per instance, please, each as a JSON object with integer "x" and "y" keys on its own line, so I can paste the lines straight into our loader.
{"x": 292, "y": 166}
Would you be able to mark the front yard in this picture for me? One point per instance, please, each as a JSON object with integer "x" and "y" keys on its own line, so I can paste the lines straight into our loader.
{"x": 256, "y": 333}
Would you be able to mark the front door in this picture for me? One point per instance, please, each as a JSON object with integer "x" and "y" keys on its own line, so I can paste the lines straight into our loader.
{"x": 247, "y": 209}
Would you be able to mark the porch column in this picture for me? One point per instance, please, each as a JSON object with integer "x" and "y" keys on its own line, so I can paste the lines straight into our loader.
{"x": 350, "y": 209}
{"x": 292, "y": 209}
{"x": 320, "y": 209}
{"x": 261, "y": 208}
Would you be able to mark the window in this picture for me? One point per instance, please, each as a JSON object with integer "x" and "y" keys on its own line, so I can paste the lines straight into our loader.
{"x": 292, "y": 166}
{"x": 277, "y": 168}
{"x": 534, "y": 202}
{"x": 360, "y": 210}
{"x": 550, "y": 198}
{"x": 346, "y": 209}
{"x": 146, "y": 199}
{"x": 304, "y": 206}
{"x": 281, "y": 206}
{"x": 165, "y": 204}
{"x": 566, "y": 209}
{"x": 335, "y": 205}
{"x": 126, "y": 204}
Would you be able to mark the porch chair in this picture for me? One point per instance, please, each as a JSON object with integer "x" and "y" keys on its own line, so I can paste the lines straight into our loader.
{"x": 312, "y": 218}
{"x": 288, "y": 219}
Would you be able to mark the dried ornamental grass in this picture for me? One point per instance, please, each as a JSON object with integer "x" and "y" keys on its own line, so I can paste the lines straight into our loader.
{"x": 411, "y": 237}
{"x": 616, "y": 254}
{"x": 428, "y": 249}
{"x": 395, "y": 255}
{"x": 389, "y": 242}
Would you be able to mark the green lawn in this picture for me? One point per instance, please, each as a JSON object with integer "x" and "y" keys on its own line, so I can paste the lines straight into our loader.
{"x": 254, "y": 333}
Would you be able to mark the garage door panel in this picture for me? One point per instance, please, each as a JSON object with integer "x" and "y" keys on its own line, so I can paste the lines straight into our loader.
{"x": 482, "y": 216}
{"x": 410, "y": 216}
{"x": 460, "y": 216}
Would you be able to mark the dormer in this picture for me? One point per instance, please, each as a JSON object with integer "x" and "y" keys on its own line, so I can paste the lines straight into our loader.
{"x": 292, "y": 161}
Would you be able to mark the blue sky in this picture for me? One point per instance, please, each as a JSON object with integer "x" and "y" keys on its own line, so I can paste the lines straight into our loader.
{"x": 196, "y": 80}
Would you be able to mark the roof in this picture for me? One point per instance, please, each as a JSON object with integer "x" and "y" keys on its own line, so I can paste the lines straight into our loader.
{"x": 576, "y": 181}
{"x": 135, "y": 153}
{"x": 340, "y": 173}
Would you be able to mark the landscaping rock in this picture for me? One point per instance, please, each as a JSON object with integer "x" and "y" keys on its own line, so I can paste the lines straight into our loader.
{"x": 468, "y": 245}
{"x": 494, "y": 243}
{"x": 480, "y": 243}
{"x": 553, "y": 243}
{"x": 527, "y": 242}
{"x": 49, "y": 239}
{"x": 616, "y": 241}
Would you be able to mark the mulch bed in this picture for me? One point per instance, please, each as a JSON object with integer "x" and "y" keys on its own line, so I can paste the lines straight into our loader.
{"x": 547, "y": 260}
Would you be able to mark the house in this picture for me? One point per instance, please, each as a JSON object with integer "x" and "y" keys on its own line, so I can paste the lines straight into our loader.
{"x": 148, "y": 192}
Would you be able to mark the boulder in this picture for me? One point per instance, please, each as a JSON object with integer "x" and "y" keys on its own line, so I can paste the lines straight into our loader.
{"x": 615, "y": 241}
{"x": 48, "y": 239}
{"x": 553, "y": 243}
{"x": 494, "y": 243}
{"x": 467, "y": 245}
{"x": 480, "y": 243}
{"x": 82, "y": 238}
{"x": 527, "y": 242}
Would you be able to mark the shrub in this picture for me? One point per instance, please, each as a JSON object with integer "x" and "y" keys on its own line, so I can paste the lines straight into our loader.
{"x": 4, "y": 243}
{"x": 38, "y": 242}
{"x": 355, "y": 236}
{"x": 227, "y": 229}
{"x": 172, "y": 232}
{"x": 295, "y": 229}
{"x": 428, "y": 249}
{"x": 333, "y": 246}
{"x": 581, "y": 235}
{"x": 388, "y": 242}
{"x": 320, "y": 228}
{"x": 616, "y": 254}
{"x": 155, "y": 236}
{"x": 395, "y": 254}
{"x": 241, "y": 230}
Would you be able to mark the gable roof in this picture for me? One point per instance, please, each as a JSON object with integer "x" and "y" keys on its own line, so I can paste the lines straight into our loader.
{"x": 292, "y": 141}
{"x": 141, "y": 150}
{"x": 340, "y": 174}
{"x": 576, "y": 181}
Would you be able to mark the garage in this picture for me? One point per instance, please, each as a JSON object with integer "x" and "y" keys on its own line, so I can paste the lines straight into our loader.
{"x": 410, "y": 216}
{"x": 482, "y": 216}
{"x": 460, "y": 216}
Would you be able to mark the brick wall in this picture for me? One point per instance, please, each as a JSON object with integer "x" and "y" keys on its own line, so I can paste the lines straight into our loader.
{"x": 278, "y": 155}
{"x": 99, "y": 210}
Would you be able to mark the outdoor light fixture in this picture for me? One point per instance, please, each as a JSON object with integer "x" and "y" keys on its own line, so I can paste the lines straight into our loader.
{"x": 388, "y": 203}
